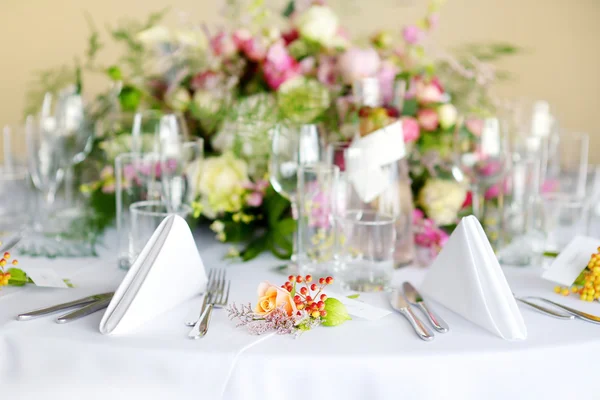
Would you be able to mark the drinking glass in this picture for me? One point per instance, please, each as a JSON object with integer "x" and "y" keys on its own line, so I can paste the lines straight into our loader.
{"x": 180, "y": 170}
{"x": 136, "y": 181}
{"x": 481, "y": 148}
{"x": 14, "y": 181}
{"x": 292, "y": 146}
{"x": 316, "y": 234}
{"x": 146, "y": 216}
{"x": 158, "y": 128}
{"x": 46, "y": 162}
{"x": 565, "y": 217}
{"x": 565, "y": 163}
{"x": 365, "y": 249}
{"x": 522, "y": 236}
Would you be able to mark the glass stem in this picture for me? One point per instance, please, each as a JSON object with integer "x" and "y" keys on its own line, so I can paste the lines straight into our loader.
{"x": 294, "y": 206}
{"x": 478, "y": 202}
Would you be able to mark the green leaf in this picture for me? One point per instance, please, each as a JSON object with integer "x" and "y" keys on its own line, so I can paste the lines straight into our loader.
{"x": 254, "y": 248}
{"x": 275, "y": 205}
{"x": 289, "y": 9}
{"x": 17, "y": 277}
{"x": 68, "y": 283}
{"x": 353, "y": 296}
{"x": 336, "y": 313}
{"x": 552, "y": 254}
{"x": 114, "y": 73}
{"x": 130, "y": 98}
{"x": 410, "y": 108}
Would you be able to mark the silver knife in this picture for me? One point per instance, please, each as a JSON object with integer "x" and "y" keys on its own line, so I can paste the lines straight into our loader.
{"x": 64, "y": 306}
{"x": 416, "y": 299}
{"x": 85, "y": 311}
{"x": 579, "y": 314}
{"x": 400, "y": 304}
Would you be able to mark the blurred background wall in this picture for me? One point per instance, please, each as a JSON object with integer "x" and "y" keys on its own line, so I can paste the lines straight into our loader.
{"x": 561, "y": 63}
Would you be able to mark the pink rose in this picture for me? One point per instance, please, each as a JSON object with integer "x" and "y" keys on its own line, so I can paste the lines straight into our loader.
{"x": 428, "y": 119}
{"x": 358, "y": 63}
{"x": 492, "y": 192}
{"x": 271, "y": 297}
{"x": 307, "y": 65}
{"x": 223, "y": 45}
{"x": 431, "y": 92}
{"x": 279, "y": 66}
{"x": 410, "y": 128}
{"x": 387, "y": 79}
{"x": 326, "y": 72}
{"x": 412, "y": 34}
{"x": 253, "y": 47}
{"x": 254, "y": 199}
{"x": 475, "y": 126}
{"x": 418, "y": 215}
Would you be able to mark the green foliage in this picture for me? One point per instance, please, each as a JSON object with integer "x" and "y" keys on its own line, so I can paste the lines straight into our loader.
{"x": 18, "y": 277}
{"x": 289, "y": 9}
{"x": 337, "y": 313}
{"x": 130, "y": 98}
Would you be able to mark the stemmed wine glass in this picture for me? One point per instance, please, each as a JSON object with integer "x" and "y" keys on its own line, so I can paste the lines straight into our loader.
{"x": 481, "y": 148}
{"x": 292, "y": 146}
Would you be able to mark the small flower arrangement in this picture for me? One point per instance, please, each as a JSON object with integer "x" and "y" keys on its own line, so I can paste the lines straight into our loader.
{"x": 11, "y": 276}
{"x": 587, "y": 284}
{"x": 293, "y": 308}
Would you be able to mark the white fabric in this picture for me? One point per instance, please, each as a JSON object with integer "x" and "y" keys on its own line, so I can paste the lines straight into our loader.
{"x": 359, "y": 360}
{"x": 167, "y": 272}
{"x": 466, "y": 277}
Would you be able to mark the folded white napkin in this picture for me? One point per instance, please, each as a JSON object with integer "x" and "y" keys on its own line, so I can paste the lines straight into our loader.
{"x": 167, "y": 272}
{"x": 467, "y": 279}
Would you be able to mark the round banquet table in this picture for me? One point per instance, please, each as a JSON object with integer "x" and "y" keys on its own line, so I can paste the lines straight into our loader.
{"x": 360, "y": 359}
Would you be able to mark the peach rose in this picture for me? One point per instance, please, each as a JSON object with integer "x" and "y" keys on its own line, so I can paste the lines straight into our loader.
{"x": 271, "y": 297}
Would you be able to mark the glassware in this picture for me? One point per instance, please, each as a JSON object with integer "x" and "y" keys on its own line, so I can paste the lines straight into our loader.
{"x": 146, "y": 216}
{"x": 156, "y": 127}
{"x": 136, "y": 181}
{"x": 292, "y": 146}
{"x": 14, "y": 182}
{"x": 180, "y": 169}
{"x": 565, "y": 163}
{"x": 316, "y": 234}
{"x": 365, "y": 249}
{"x": 565, "y": 216}
{"x": 46, "y": 162}
{"x": 482, "y": 152}
{"x": 522, "y": 235}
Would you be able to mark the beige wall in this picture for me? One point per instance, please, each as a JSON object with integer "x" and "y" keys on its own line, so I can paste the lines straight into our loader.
{"x": 563, "y": 65}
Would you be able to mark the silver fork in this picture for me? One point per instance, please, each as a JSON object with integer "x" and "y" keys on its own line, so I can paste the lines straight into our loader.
{"x": 217, "y": 299}
{"x": 210, "y": 286}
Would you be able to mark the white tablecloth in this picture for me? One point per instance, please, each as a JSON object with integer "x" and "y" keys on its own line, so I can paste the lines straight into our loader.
{"x": 358, "y": 360}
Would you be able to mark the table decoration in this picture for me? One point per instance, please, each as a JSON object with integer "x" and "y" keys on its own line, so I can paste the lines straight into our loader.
{"x": 297, "y": 306}
{"x": 167, "y": 272}
{"x": 233, "y": 85}
{"x": 467, "y": 279}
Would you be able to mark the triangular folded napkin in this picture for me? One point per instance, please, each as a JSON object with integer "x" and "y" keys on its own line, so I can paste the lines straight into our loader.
{"x": 467, "y": 279}
{"x": 167, "y": 272}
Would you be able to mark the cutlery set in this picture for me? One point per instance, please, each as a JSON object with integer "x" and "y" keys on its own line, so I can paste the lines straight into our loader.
{"x": 216, "y": 296}
{"x": 402, "y": 301}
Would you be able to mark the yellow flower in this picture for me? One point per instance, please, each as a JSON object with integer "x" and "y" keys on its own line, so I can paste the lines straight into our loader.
{"x": 442, "y": 200}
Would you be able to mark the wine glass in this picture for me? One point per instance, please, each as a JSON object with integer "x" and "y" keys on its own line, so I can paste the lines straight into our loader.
{"x": 292, "y": 146}
{"x": 153, "y": 129}
{"x": 46, "y": 162}
{"x": 481, "y": 149}
{"x": 179, "y": 171}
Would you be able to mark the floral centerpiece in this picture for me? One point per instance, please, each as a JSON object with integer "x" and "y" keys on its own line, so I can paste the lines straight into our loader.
{"x": 233, "y": 85}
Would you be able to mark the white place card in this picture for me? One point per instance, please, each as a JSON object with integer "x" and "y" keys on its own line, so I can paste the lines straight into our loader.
{"x": 45, "y": 277}
{"x": 572, "y": 260}
{"x": 359, "y": 309}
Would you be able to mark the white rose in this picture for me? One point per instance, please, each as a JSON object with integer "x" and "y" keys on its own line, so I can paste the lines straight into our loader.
{"x": 318, "y": 23}
{"x": 178, "y": 99}
{"x": 447, "y": 116}
{"x": 442, "y": 200}
{"x": 155, "y": 35}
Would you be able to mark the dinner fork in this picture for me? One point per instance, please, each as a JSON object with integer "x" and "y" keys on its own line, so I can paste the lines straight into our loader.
{"x": 217, "y": 299}
{"x": 210, "y": 286}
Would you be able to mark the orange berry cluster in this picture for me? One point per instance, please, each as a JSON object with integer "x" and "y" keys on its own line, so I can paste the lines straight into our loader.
{"x": 5, "y": 276}
{"x": 590, "y": 289}
{"x": 309, "y": 296}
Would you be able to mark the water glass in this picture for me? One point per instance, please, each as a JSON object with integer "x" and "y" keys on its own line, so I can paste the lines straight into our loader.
{"x": 14, "y": 182}
{"x": 565, "y": 217}
{"x": 565, "y": 163}
{"x": 136, "y": 181}
{"x": 146, "y": 216}
{"x": 316, "y": 233}
{"x": 365, "y": 250}
{"x": 521, "y": 235}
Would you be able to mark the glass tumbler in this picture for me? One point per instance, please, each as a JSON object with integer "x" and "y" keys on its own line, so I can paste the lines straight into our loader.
{"x": 146, "y": 216}
{"x": 565, "y": 216}
{"x": 316, "y": 233}
{"x": 365, "y": 250}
